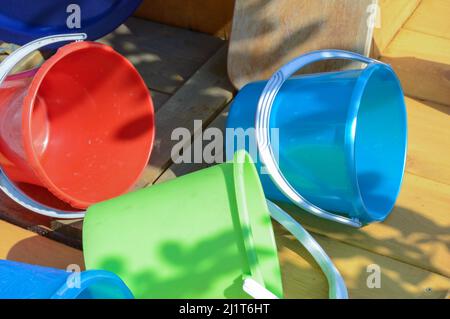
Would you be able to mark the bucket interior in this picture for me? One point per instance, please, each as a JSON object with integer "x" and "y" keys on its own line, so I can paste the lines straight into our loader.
{"x": 88, "y": 124}
{"x": 380, "y": 142}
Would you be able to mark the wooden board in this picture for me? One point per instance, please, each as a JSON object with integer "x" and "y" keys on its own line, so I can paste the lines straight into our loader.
{"x": 202, "y": 97}
{"x": 431, "y": 17}
{"x": 164, "y": 56}
{"x": 422, "y": 62}
{"x": 179, "y": 169}
{"x": 416, "y": 232}
{"x": 159, "y": 99}
{"x": 302, "y": 277}
{"x": 267, "y": 34}
{"x": 22, "y": 245}
{"x": 393, "y": 15}
{"x": 211, "y": 16}
{"x": 428, "y": 140}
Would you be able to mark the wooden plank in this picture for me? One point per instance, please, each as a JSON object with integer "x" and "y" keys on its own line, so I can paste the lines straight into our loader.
{"x": 14, "y": 213}
{"x": 422, "y": 63}
{"x": 164, "y": 56}
{"x": 393, "y": 14}
{"x": 302, "y": 277}
{"x": 416, "y": 232}
{"x": 431, "y": 17}
{"x": 159, "y": 99}
{"x": 179, "y": 169}
{"x": 201, "y": 98}
{"x": 428, "y": 142}
{"x": 212, "y": 16}
{"x": 268, "y": 34}
{"x": 22, "y": 245}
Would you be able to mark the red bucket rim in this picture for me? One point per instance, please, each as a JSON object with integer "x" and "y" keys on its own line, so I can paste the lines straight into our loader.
{"x": 28, "y": 105}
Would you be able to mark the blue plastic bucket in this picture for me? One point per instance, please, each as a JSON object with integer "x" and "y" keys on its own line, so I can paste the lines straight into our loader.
{"x": 22, "y": 21}
{"x": 340, "y": 148}
{"x": 24, "y": 281}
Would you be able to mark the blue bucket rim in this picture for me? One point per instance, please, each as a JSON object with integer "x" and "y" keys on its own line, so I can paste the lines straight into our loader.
{"x": 108, "y": 20}
{"x": 87, "y": 279}
{"x": 365, "y": 214}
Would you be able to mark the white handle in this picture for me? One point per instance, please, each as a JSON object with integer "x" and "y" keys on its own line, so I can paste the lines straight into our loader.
{"x": 262, "y": 125}
{"x": 6, "y": 185}
{"x": 336, "y": 284}
{"x": 11, "y": 60}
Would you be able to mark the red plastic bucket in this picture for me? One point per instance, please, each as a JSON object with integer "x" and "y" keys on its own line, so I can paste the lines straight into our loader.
{"x": 81, "y": 125}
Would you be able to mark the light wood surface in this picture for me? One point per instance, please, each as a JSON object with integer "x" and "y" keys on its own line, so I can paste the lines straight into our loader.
{"x": 393, "y": 14}
{"x": 422, "y": 62}
{"x": 429, "y": 143}
{"x": 267, "y": 34}
{"x": 302, "y": 278}
{"x": 18, "y": 244}
{"x": 416, "y": 232}
{"x": 431, "y": 17}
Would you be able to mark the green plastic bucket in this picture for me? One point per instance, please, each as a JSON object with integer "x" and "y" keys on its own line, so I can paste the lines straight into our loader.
{"x": 197, "y": 236}
{"x": 204, "y": 235}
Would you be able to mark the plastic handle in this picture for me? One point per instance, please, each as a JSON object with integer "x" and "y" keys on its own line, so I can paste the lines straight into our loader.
{"x": 256, "y": 290}
{"x": 262, "y": 124}
{"x": 11, "y": 60}
{"x": 336, "y": 284}
{"x": 6, "y": 185}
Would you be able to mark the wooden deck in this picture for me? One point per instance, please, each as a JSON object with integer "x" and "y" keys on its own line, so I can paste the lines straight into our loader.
{"x": 186, "y": 73}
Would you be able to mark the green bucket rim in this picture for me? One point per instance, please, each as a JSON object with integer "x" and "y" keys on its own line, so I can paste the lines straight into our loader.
{"x": 248, "y": 219}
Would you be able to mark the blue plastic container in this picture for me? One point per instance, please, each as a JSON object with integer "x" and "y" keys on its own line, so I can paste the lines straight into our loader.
{"x": 24, "y": 281}
{"x": 342, "y": 137}
{"x": 22, "y": 21}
